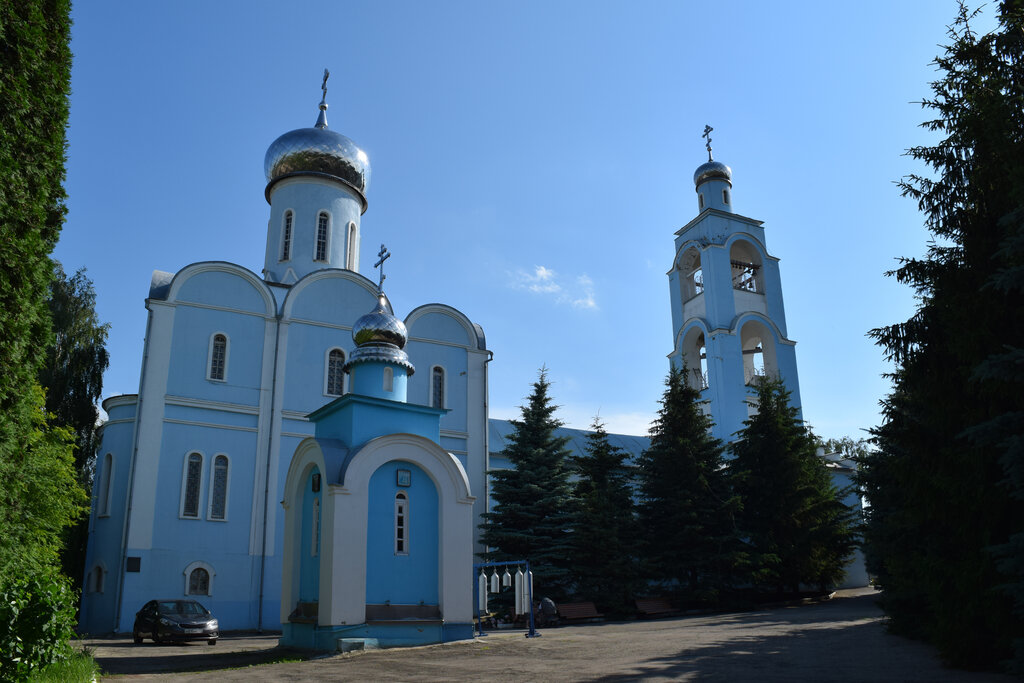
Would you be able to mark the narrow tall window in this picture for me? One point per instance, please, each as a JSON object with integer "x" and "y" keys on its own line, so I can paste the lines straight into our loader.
{"x": 336, "y": 372}
{"x": 108, "y": 471}
{"x": 725, "y": 196}
{"x": 322, "y": 223}
{"x": 97, "y": 577}
{"x": 401, "y": 524}
{"x": 199, "y": 582}
{"x": 314, "y": 548}
{"x": 700, "y": 201}
{"x": 218, "y": 356}
{"x": 219, "y": 490}
{"x": 352, "y": 247}
{"x": 193, "y": 483}
{"x": 389, "y": 379}
{"x": 437, "y": 387}
{"x": 286, "y": 237}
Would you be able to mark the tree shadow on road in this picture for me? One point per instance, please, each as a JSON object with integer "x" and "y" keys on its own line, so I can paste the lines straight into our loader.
{"x": 843, "y": 641}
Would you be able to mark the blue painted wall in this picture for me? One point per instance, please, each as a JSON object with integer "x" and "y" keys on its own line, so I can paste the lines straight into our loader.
{"x": 402, "y": 579}
{"x": 309, "y": 548}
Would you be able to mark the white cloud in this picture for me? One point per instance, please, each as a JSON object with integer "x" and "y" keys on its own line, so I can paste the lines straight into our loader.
{"x": 577, "y": 292}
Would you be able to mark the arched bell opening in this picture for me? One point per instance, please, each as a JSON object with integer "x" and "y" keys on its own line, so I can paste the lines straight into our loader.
{"x": 759, "y": 356}
{"x": 694, "y": 354}
{"x": 691, "y": 273}
{"x": 747, "y": 267}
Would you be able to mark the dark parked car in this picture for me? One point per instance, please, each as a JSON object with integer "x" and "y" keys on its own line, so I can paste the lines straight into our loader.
{"x": 169, "y": 620}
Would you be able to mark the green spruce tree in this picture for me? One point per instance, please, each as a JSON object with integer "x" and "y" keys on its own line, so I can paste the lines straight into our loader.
{"x": 795, "y": 526}
{"x": 604, "y": 539}
{"x": 945, "y": 530}
{"x": 533, "y": 515}
{"x": 686, "y": 510}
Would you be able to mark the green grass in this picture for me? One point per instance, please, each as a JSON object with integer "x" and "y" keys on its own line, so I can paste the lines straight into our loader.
{"x": 81, "y": 668}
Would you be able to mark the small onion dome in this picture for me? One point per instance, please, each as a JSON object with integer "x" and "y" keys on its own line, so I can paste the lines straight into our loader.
{"x": 380, "y": 337}
{"x": 318, "y": 152}
{"x": 712, "y": 169}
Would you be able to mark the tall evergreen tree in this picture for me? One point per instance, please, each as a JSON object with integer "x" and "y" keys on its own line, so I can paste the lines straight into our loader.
{"x": 72, "y": 376}
{"x": 945, "y": 532}
{"x": 685, "y": 508}
{"x": 795, "y": 525}
{"x": 39, "y": 495}
{"x": 604, "y": 539}
{"x": 35, "y": 75}
{"x": 533, "y": 515}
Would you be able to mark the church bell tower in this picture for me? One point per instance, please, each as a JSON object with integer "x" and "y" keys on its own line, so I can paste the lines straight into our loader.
{"x": 728, "y": 318}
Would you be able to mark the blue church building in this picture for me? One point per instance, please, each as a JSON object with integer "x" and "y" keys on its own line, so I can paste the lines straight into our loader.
{"x": 237, "y": 370}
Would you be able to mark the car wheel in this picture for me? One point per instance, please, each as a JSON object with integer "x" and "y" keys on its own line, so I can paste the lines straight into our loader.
{"x": 156, "y": 638}
{"x": 137, "y": 637}
{"x": 212, "y": 641}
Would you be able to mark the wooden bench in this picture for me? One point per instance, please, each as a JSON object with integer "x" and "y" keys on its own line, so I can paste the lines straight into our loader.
{"x": 655, "y": 607}
{"x": 579, "y": 611}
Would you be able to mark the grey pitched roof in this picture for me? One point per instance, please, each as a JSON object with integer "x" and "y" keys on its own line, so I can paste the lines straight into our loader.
{"x": 498, "y": 431}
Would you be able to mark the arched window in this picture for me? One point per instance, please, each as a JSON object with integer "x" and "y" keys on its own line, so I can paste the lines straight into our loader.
{"x": 192, "y": 485}
{"x": 323, "y": 224}
{"x": 353, "y": 248}
{"x": 286, "y": 236}
{"x": 700, "y": 201}
{"x": 389, "y": 379}
{"x": 437, "y": 387}
{"x": 105, "y": 478}
{"x": 199, "y": 578}
{"x": 199, "y": 582}
{"x": 725, "y": 197}
{"x": 335, "y": 373}
{"x": 218, "y": 357}
{"x": 401, "y": 524}
{"x": 219, "y": 488}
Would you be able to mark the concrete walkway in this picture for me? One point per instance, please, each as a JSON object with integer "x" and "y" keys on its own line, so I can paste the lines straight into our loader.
{"x": 842, "y": 640}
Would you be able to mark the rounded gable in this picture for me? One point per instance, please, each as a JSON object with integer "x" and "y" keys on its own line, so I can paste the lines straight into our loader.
{"x": 223, "y": 285}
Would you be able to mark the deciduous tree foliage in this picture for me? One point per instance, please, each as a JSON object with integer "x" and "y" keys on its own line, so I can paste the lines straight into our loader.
{"x": 794, "y": 524}
{"x": 945, "y": 533}
{"x": 686, "y": 510}
{"x": 533, "y": 514}
{"x": 605, "y": 537}
{"x": 72, "y": 376}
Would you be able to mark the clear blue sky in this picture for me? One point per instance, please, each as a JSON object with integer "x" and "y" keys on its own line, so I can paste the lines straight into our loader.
{"x": 531, "y": 162}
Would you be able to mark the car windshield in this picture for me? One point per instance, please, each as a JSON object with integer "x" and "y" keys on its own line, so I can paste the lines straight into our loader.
{"x": 189, "y": 608}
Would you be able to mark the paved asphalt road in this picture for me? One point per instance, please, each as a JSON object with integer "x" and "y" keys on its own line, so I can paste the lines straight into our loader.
{"x": 842, "y": 640}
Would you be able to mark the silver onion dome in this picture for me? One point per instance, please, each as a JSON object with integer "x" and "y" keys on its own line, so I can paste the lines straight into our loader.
{"x": 318, "y": 151}
{"x": 712, "y": 169}
{"x": 380, "y": 337}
